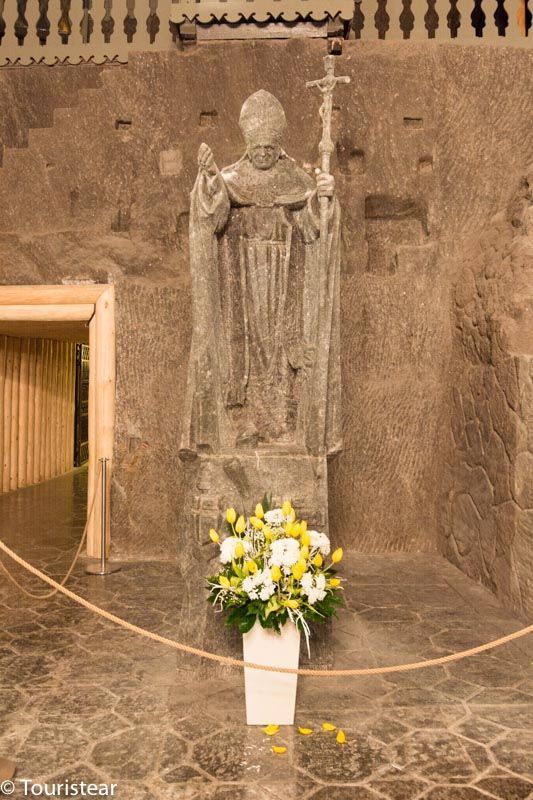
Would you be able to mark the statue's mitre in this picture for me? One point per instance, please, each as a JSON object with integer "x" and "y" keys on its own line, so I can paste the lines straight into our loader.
{"x": 262, "y": 118}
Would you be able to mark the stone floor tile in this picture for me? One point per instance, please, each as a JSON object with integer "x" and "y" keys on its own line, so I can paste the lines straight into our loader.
{"x": 515, "y": 752}
{"x": 479, "y": 729}
{"x": 511, "y": 716}
{"x": 241, "y": 753}
{"x": 195, "y": 727}
{"x": 130, "y": 754}
{"x": 399, "y": 789}
{"x": 506, "y": 787}
{"x": 48, "y": 747}
{"x": 427, "y": 716}
{"x": 436, "y": 755}
{"x": 344, "y": 793}
{"x": 324, "y": 760}
{"x": 455, "y": 793}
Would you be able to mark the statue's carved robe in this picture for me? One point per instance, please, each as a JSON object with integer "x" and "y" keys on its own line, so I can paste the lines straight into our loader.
{"x": 265, "y": 343}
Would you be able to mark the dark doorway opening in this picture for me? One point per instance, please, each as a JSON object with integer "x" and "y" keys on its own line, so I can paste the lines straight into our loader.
{"x": 81, "y": 406}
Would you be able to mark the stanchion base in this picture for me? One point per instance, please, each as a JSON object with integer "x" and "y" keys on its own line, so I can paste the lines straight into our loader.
{"x": 96, "y": 569}
{"x": 7, "y": 769}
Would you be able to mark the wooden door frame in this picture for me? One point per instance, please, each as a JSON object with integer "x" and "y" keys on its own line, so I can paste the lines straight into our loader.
{"x": 94, "y": 304}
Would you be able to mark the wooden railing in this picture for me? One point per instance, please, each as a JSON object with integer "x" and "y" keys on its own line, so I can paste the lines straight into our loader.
{"x": 56, "y": 31}
{"x": 461, "y": 21}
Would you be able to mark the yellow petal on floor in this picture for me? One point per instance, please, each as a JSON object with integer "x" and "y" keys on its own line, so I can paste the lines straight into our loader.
{"x": 270, "y": 730}
{"x": 305, "y": 731}
{"x": 279, "y": 750}
{"x": 327, "y": 726}
{"x": 341, "y": 737}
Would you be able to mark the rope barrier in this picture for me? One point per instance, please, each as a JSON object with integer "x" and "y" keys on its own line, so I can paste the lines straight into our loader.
{"x": 235, "y": 662}
{"x": 48, "y": 595}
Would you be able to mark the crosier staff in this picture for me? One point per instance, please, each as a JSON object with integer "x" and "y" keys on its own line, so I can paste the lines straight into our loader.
{"x": 326, "y": 85}
{"x": 326, "y": 281}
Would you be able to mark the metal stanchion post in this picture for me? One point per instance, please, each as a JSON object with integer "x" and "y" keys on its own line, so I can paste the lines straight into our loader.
{"x": 103, "y": 567}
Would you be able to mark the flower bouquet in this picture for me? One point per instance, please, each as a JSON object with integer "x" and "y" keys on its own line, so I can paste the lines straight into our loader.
{"x": 275, "y": 579}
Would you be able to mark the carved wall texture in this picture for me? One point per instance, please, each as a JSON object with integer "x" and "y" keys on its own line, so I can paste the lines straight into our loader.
{"x": 487, "y": 521}
{"x": 432, "y": 142}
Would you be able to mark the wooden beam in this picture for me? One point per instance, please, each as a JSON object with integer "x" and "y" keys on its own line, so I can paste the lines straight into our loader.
{"x": 30, "y": 449}
{"x": 81, "y": 312}
{"x": 6, "y": 455}
{"x": 3, "y": 354}
{"x": 92, "y": 531}
{"x": 24, "y": 400}
{"x": 55, "y": 295}
{"x": 48, "y": 412}
{"x": 104, "y": 400}
{"x": 15, "y": 396}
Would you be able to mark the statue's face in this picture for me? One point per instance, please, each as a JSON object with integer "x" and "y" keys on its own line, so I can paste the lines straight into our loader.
{"x": 265, "y": 155}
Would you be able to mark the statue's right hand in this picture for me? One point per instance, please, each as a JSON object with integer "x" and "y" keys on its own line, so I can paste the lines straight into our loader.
{"x": 206, "y": 160}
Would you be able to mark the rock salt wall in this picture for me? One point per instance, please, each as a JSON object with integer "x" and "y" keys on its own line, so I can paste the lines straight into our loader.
{"x": 432, "y": 141}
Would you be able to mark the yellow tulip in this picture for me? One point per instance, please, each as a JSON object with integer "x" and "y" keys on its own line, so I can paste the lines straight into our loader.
{"x": 257, "y": 523}
{"x": 240, "y": 525}
{"x": 213, "y": 535}
{"x": 297, "y": 572}
{"x": 296, "y": 528}
{"x": 231, "y": 515}
{"x": 259, "y": 511}
{"x": 234, "y": 581}
{"x": 291, "y": 603}
{"x": 251, "y": 566}
{"x": 267, "y": 533}
{"x": 286, "y": 508}
{"x": 288, "y": 528}
{"x": 305, "y": 539}
{"x": 304, "y": 551}
{"x": 303, "y": 525}
{"x": 271, "y": 730}
{"x": 335, "y": 582}
{"x": 239, "y": 550}
{"x": 341, "y": 737}
{"x": 327, "y": 726}
{"x": 302, "y": 564}
{"x": 223, "y": 581}
{"x": 318, "y": 560}
{"x": 292, "y": 515}
{"x": 279, "y": 750}
{"x": 337, "y": 555}
{"x": 305, "y": 731}
{"x": 275, "y": 574}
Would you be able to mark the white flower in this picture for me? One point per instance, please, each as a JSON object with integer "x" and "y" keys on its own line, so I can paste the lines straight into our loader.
{"x": 259, "y": 585}
{"x": 320, "y": 541}
{"x": 267, "y": 591}
{"x": 284, "y": 552}
{"x": 313, "y": 587}
{"x": 227, "y": 548}
{"x": 306, "y": 580}
{"x": 274, "y": 517}
{"x": 248, "y": 584}
{"x": 320, "y": 582}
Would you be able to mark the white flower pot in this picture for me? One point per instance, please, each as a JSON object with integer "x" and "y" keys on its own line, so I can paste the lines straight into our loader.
{"x": 271, "y": 696}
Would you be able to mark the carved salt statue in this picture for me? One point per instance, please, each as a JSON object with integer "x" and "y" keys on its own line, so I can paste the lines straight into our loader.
{"x": 264, "y": 366}
{"x": 263, "y": 395}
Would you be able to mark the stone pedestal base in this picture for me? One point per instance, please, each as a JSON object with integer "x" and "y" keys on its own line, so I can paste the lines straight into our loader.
{"x": 239, "y": 479}
{"x": 242, "y": 479}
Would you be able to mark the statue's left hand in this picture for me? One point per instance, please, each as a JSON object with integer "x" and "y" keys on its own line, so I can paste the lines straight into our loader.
{"x": 325, "y": 184}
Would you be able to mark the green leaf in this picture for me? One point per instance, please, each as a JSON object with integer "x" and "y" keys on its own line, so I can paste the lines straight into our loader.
{"x": 246, "y": 624}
